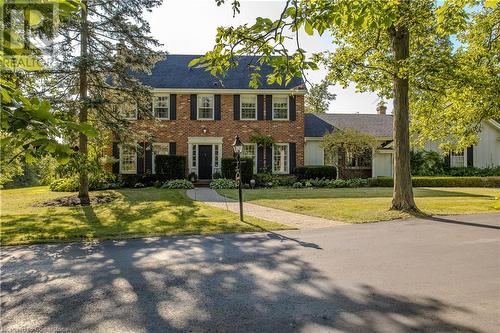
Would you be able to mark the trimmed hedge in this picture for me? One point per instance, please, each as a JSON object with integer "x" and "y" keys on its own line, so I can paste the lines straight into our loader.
{"x": 168, "y": 167}
{"x": 440, "y": 182}
{"x": 270, "y": 180}
{"x": 229, "y": 169}
{"x": 313, "y": 172}
{"x": 101, "y": 181}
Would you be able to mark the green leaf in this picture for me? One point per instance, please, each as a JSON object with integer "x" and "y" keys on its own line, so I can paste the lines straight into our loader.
{"x": 195, "y": 62}
{"x": 308, "y": 28}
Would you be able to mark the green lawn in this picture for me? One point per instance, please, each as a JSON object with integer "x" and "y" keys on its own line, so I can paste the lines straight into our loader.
{"x": 358, "y": 205}
{"x": 137, "y": 213}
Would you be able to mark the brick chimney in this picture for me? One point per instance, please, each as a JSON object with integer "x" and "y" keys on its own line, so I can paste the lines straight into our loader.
{"x": 381, "y": 109}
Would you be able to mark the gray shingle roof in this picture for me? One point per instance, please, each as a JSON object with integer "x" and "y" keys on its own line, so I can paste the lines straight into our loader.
{"x": 317, "y": 124}
{"x": 173, "y": 72}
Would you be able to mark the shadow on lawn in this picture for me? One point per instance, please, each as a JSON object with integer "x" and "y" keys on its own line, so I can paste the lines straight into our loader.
{"x": 238, "y": 283}
{"x": 345, "y": 193}
{"x": 121, "y": 218}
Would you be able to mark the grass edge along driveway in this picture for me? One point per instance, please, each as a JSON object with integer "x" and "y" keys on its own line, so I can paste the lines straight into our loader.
{"x": 359, "y": 205}
{"x": 136, "y": 213}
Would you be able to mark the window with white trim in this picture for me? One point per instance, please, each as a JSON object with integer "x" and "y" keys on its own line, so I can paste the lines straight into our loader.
{"x": 250, "y": 151}
{"x": 206, "y": 107}
{"x": 161, "y": 106}
{"x": 280, "y": 107}
{"x": 128, "y": 159}
{"x": 457, "y": 159}
{"x": 248, "y": 107}
{"x": 280, "y": 158}
{"x": 194, "y": 156}
{"x": 360, "y": 161}
{"x": 159, "y": 149}
{"x": 127, "y": 110}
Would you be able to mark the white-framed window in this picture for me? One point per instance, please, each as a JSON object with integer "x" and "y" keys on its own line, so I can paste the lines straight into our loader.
{"x": 161, "y": 106}
{"x": 127, "y": 110}
{"x": 248, "y": 107}
{"x": 128, "y": 159}
{"x": 281, "y": 163}
{"x": 250, "y": 151}
{"x": 457, "y": 159}
{"x": 159, "y": 149}
{"x": 205, "y": 107}
{"x": 194, "y": 156}
{"x": 280, "y": 107}
{"x": 360, "y": 161}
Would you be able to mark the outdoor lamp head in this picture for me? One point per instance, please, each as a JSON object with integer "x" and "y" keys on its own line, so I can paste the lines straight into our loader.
{"x": 237, "y": 145}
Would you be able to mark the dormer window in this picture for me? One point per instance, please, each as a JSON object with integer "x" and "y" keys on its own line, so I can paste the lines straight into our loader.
{"x": 161, "y": 109}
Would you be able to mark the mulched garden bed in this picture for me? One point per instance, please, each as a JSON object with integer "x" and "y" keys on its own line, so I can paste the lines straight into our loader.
{"x": 73, "y": 200}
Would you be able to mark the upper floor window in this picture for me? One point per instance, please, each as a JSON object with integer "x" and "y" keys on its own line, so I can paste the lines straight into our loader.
{"x": 280, "y": 158}
{"x": 457, "y": 159}
{"x": 248, "y": 107}
{"x": 161, "y": 105}
{"x": 280, "y": 107}
{"x": 128, "y": 159}
{"x": 206, "y": 107}
{"x": 250, "y": 151}
{"x": 127, "y": 110}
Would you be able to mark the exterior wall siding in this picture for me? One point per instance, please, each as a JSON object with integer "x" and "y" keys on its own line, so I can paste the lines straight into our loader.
{"x": 180, "y": 129}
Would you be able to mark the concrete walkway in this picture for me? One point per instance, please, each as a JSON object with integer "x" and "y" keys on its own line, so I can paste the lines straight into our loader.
{"x": 299, "y": 221}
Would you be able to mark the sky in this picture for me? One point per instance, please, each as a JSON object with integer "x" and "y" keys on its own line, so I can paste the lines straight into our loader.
{"x": 189, "y": 27}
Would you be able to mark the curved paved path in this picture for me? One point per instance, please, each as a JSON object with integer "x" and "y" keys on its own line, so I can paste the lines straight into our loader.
{"x": 299, "y": 221}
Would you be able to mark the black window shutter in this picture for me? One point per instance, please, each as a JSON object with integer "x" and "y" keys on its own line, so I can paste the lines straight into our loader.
{"x": 140, "y": 158}
{"x": 293, "y": 156}
{"x": 149, "y": 158}
{"x": 447, "y": 160}
{"x": 260, "y": 159}
{"x": 260, "y": 107}
{"x": 217, "y": 107}
{"x": 172, "y": 148}
{"x": 194, "y": 108}
{"x": 269, "y": 107}
{"x": 236, "y": 107}
{"x": 173, "y": 106}
{"x": 269, "y": 159}
{"x": 292, "y": 107}
{"x": 116, "y": 154}
{"x": 470, "y": 156}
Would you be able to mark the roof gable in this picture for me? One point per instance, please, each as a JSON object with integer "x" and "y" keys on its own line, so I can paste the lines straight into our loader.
{"x": 174, "y": 72}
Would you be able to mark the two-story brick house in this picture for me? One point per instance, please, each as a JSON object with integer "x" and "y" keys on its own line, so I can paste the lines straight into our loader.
{"x": 197, "y": 115}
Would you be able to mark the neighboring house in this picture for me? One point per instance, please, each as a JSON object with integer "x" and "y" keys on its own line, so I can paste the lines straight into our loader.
{"x": 198, "y": 116}
{"x": 376, "y": 163}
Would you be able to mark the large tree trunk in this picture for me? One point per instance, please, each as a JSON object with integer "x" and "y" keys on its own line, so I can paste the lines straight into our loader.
{"x": 83, "y": 191}
{"x": 402, "y": 199}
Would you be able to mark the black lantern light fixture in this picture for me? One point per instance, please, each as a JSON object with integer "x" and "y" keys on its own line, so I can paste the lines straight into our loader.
{"x": 238, "y": 149}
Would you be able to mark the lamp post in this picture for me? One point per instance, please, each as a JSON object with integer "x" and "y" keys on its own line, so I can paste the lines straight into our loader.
{"x": 237, "y": 149}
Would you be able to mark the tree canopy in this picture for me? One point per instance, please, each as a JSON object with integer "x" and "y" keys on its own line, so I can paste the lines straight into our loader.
{"x": 318, "y": 97}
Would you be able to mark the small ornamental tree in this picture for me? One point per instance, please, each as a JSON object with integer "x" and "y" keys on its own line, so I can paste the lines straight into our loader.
{"x": 263, "y": 141}
{"x": 349, "y": 141}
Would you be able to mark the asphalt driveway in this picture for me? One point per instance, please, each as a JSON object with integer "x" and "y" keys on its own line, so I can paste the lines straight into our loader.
{"x": 438, "y": 275}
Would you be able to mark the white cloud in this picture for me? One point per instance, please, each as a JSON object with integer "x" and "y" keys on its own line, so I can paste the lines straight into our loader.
{"x": 189, "y": 27}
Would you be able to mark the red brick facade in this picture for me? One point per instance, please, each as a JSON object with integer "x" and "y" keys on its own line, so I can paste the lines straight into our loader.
{"x": 180, "y": 129}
